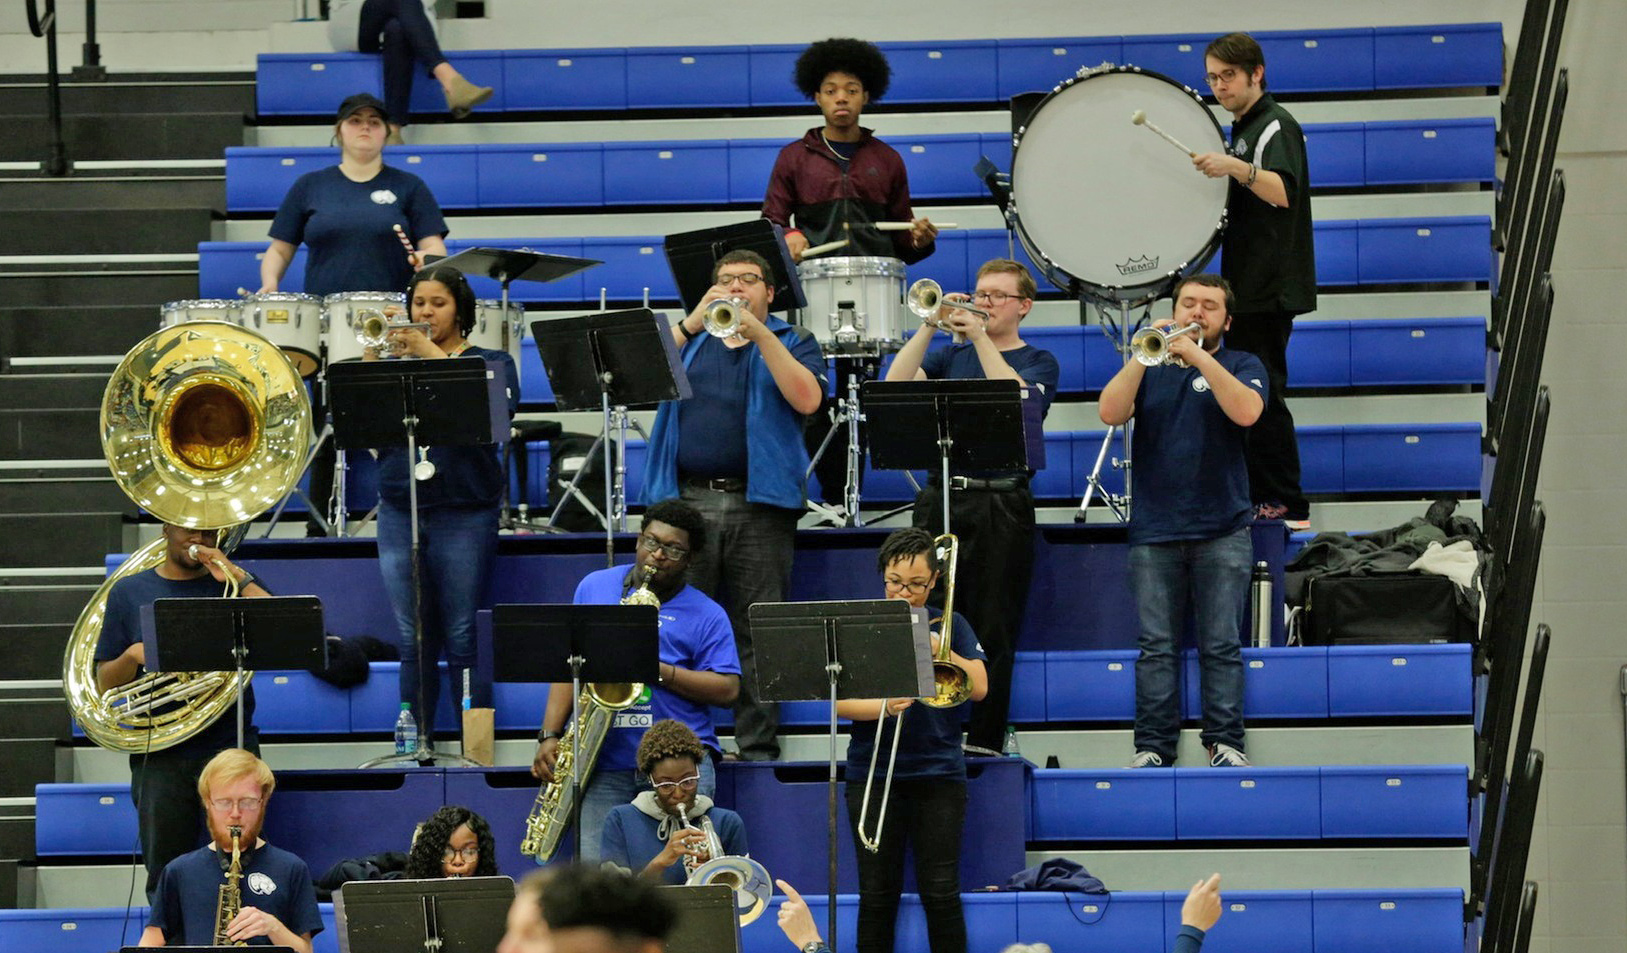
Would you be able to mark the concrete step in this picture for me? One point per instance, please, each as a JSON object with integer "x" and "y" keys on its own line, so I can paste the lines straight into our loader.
{"x": 154, "y": 135}
{"x": 25, "y": 762}
{"x": 39, "y": 434}
{"x": 48, "y": 285}
{"x": 1271, "y": 869}
{"x": 133, "y": 95}
{"x": 35, "y": 650}
{"x": 16, "y": 829}
{"x": 22, "y": 603}
{"x": 135, "y": 187}
{"x": 77, "y": 391}
{"x": 72, "y": 331}
{"x": 52, "y": 493}
{"x": 35, "y": 711}
{"x": 79, "y": 231}
{"x": 60, "y": 539}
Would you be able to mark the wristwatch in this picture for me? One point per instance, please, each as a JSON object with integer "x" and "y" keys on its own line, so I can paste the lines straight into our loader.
{"x": 548, "y": 735}
{"x": 817, "y": 946}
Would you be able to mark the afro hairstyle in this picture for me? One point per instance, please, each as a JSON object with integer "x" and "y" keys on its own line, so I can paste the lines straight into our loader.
{"x": 859, "y": 58}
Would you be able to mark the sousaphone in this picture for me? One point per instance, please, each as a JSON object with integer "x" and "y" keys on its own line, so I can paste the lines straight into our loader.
{"x": 205, "y": 425}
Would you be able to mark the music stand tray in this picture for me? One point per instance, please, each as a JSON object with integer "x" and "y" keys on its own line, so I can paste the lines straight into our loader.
{"x": 452, "y": 915}
{"x": 371, "y": 400}
{"x": 507, "y": 265}
{"x": 633, "y": 348}
{"x": 693, "y": 256}
{"x": 534, "y": 643}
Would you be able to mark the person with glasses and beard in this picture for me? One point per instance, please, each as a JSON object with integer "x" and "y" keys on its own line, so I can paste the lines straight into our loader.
{"x": 648, "y": 837}
{"x": 279, "y": 901}
{"x": 698, "y": 669}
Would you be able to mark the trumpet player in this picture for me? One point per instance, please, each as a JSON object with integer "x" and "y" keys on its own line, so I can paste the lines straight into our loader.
{"x": 992, "y": 512}
{"x": 276, "y": 897}
{"x": 734, "y": 451}
{"x": 1190, "y": 547}
{"x": 658, "y": 836}
{"x": 167, "y": 818}
{"x": 698, "y": 670}
{"x": 927, "y": 804}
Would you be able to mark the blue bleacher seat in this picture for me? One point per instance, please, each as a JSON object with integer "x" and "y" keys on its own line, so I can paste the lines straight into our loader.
{"x": 1102, "y": 359}
{"x": 1429, "y": 351}
{"x": 1257, "y": 921}
{"x": 1321, "y": 458}
{"x": 947, "y": 265}
{"x": 1318, "y": 61}
{"x": 480, "y": 67}
{"x": 1067, "y": 343}
{"x": 1054, "y": 481}
{"x": 694, "y": 76}
{"x": 313, "y": 83}
{"x": 1177, "y": 55}
{"x": 1034, "y": 65}
{"x": 1290, "y": 682}
{"x": 1072, "y": 921}
{"x": 660, "y": 173}
{"x": 301, "y": 703}
{"x": 224, "y": 267}
{"x": 1419, "y": 151}
{"x": 940, "y": 166}
{"x": 257, "y": 179}
{"x": 1247, "y": 803}
{"x": 751, "y": 161}
{"x": 1399, "y": 920}
{"x": 1380, "y": 801}
{"x": 84, "y": 820}
{"x": 1090, "y": 686}
{"x": 1087, "y": 444}
{"x": 522, "y": 176}
{"x": 565, "y": 79}
{"x": 375, "y": 704}
{"x": 1413, "y": 458}
{"x": 1027, "y": 688}
{"x": 1388, "y": 680}
{"x": 326, "y": 818}
{"x": 951, "y": 71}
{"x": 1337, "y": 253}
{"x": 570, "y": 289}
{"x": 631, "y": 264}
{"x": 451, "y": 172}
{"x": 1319, "y": 354}
{"x": 1456, "y": 54}
{"x": 1335, "y": 153}
{"x": 773, "y": 75}
{"x": 1423, "y": 249}
{"x": 1103, "y": 804}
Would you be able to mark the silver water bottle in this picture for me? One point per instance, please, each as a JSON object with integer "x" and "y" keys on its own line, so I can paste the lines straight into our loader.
{"x": 1261, "y": 602}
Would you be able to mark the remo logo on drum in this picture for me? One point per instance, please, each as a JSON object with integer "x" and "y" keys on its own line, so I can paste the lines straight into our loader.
{"x": 1139, "y": 266}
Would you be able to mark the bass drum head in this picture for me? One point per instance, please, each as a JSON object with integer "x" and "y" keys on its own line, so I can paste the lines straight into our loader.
{"x": 1109, "y": 209}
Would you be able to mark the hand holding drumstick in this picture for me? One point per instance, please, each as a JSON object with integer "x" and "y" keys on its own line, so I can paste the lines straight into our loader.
{"x": 414, "y": 259}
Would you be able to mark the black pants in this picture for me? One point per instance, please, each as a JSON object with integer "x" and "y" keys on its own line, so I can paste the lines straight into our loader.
{"x": 996, "y": 533}
{"x": 169, "y": 814}
{"x": 928, "y": 815}
{"x": 1273, "y": 448}
{"x": 401, "y": 31}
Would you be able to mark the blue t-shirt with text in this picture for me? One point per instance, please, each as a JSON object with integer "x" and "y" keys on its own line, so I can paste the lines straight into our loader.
{"x": 273, "y": 880}
{"x": 695, "y": 634}
{"x": 1191, "y": 478}
{"x": 348, "y": 228}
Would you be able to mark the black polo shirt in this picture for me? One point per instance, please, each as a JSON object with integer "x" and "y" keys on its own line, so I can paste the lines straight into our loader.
{"x": 1268, "y": 254}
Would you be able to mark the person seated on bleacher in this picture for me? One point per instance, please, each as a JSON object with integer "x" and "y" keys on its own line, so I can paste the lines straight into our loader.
{"x": 452, "y": 842}
{"x": 1191, "y": 550}
{"x": 168, "y": 818}
{"x": 404, "y": 31}
{"x": 648, "y": 837}
{"x": 278, "y": 899}
{"x": 927, "y": 806}
{"x": 698, "y": 667}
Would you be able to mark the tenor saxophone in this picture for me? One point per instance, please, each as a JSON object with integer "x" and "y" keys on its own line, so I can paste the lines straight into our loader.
{"x": 598, "y": 704}
{"x": 229, "y": 901}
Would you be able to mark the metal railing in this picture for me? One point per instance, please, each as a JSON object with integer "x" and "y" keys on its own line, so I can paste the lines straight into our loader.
{"x": 90, "y": 71}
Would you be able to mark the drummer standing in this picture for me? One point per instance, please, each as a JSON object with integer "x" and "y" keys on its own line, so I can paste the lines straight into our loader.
{"x": 835, "y": 182}
{"x": 346, "y": 216}
{"x": 1268, "y": 257}
{"x": 992, "y": 512}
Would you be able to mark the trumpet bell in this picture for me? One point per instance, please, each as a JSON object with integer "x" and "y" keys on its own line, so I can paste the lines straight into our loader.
{"x": 924, "y": 298}
{"x": 746, "y": 877}
{"x": 722, "y": 317}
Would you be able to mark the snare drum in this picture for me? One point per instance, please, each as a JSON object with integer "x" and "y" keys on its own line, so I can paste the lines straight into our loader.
{"x": 499, "y": 332}
{"x": 202, "y": 309}
{"x": 346, "y": 310}
{"x": 855, "y": 305}
{"x": 293, "y": 322}
{"x": 1108, "y": 209}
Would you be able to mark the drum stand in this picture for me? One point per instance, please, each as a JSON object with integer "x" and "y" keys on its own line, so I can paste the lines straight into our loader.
{"x": 616, "y": 421}
{"x": 851, "y": 414}
{"x": 1119, "y": 329}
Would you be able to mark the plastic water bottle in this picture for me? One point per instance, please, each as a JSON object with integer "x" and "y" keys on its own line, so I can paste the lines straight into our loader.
{"x": 406, "y": 731}
{"x": 1010, "y": 749}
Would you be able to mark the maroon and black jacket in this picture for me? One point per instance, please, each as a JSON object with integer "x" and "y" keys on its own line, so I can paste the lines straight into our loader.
{"x": 808, "y": 183}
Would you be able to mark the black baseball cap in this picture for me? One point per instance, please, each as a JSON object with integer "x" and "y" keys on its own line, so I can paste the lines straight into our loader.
{"x": 360, "y": 101}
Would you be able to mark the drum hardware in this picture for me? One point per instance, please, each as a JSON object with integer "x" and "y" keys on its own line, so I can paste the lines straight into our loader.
{"x": 855, "y": 305}
{"x": 848, "y": 414}
{"x": 1139, "y": 118}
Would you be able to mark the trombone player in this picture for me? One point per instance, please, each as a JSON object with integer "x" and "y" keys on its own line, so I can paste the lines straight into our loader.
{"x": 926, "y": 807}
{"x": 169, "y": 819}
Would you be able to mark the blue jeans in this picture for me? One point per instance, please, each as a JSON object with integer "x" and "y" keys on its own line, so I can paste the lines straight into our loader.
{"x": 1209, "y": 578}
{"x": 608, "y": 790}
{"x": 457, "y": 546}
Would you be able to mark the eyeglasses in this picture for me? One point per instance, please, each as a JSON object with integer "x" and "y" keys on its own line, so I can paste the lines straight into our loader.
{"x": 993, "y": 297}
{"x": 688, "y": 784}
{"x": 652, "y": 546}
{"x": 1224, "y": 76}
{"x": 248, "y": 805}
{"x": 913, "y": 588}
{"x": 749, "y": 280}
{"x": 466, "y": 853}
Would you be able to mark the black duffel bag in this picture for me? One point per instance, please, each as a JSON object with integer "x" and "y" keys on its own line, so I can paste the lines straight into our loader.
{"x": 1388, "y": 609}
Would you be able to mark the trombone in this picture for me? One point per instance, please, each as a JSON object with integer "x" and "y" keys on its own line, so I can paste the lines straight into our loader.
{"x": 1150, "y": 346}
{"x": 926, "y": 297}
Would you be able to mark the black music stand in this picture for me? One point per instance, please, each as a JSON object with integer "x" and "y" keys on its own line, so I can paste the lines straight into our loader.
{"x": 451, "y": 915}
{"x": 205, "y": 949}
{"x": 693, "y": 256}
{"x": 707, "y": 919}
{"x": 868, "y": 648}
{"x": 378, "y": 404}
{"x": 612, "y": 361}
{"x": 973, "y": 424}
{"x": 507, "y": 265}
{"x": 280, "y": 632}
{"x": 576, "y": 643}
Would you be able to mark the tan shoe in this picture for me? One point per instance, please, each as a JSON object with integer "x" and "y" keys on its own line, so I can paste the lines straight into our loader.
{"x": 394, "y": 138}
{"x": 464, "y": 96}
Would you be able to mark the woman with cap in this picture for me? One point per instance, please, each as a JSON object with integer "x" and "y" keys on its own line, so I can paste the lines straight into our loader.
{"x": 404, "y": 31}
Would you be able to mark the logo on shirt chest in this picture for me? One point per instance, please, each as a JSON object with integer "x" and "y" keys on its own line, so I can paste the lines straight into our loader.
{"x": 1239, "y": 147}
{"x": 1200, "y": 384}
{"x": 261, "y": 884}
{"x": 383, "y": 197}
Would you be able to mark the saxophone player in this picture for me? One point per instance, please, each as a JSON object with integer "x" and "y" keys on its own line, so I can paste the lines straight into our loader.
{"x": 699, "y": 667}
{"x": 277, "y": 899}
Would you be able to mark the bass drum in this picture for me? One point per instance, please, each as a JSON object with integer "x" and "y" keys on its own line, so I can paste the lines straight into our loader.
{"x": 293, "y": 322}
{"x": 344, "y": 311}
{"x": 1107, "y": 209}
{"x": 229, "y": 310}
{"x": 497, "y": 331}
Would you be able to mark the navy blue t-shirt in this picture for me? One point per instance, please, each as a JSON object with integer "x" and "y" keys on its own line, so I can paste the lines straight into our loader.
{"x": 348, "y": 228}
{"x": 274, "y": 880}
{"x": 464, "y": 476}
{"x": 930, "y": 747}
{"x": 1191, "y": 480}
{"x": 711, "y": 429}
{"x": 121, "y": 628}
{"x": 1038, "y": 367}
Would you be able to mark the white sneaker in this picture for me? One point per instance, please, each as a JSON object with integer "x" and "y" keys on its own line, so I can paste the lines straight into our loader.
{"x": 1146, "y": 759}
{"x": 1225, "y": 756}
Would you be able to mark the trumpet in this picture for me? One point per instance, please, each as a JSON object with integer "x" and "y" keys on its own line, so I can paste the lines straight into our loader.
{"x": 373, "y": 330}
{"x": 1150, "y": 346}
{"x": 746, "y": 877}
{"x": 925, "y": 298}
{"x": 722, "y": 317}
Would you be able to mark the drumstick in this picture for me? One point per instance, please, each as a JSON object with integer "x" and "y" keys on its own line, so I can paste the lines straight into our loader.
{"x": 1139, "y": 117}
{"x": 405, "y": 241}
{"x": 821, "y": 249}
{"x": 906, "y": 226}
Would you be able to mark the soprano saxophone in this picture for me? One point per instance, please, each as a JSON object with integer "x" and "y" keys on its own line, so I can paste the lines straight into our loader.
{"x": 229, "y": 902}
{"x": 551, "y": 814}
